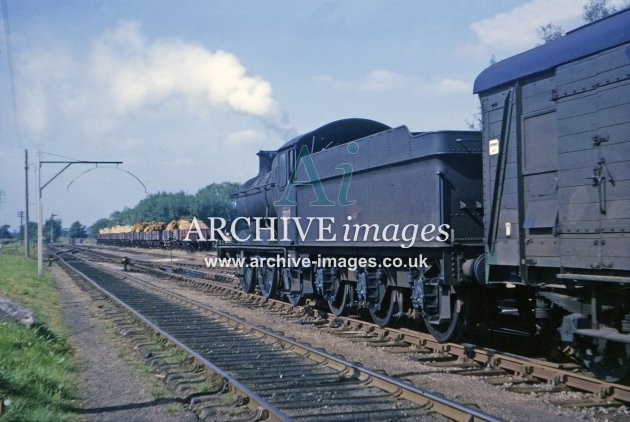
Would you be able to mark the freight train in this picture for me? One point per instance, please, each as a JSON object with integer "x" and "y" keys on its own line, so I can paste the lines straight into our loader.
{"x": 522, "y": 228}
{"x": 173, "y": 235}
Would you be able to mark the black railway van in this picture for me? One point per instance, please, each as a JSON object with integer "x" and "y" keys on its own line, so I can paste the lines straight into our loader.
{"x": 556, "y": 145}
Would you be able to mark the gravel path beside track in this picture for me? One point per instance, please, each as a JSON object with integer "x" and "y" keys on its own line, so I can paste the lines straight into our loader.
{"x": 113, "y": 388}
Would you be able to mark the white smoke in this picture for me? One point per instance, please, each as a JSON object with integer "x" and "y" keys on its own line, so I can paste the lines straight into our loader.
{"x": 125, "y": 72}
{"x": 137, "y": 72}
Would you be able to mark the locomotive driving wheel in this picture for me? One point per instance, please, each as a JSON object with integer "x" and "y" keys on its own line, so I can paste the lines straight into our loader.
{"x": 342, "y": 297}
{"x": 443, "y": 314}
{"x": 267, "y": 281}
{"x": 389, "y": 308}
{"x": 248, "y": 282}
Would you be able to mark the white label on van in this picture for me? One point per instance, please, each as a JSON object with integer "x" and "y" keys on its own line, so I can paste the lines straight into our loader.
{"x": 493, "y": 146}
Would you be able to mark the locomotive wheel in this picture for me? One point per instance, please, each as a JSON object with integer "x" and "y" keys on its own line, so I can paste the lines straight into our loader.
{"x": 608, "y": 361}
{"x": 267, "y": 281}
{"x": 390, "y": 307}
{"x": 294, "y": 299}
{"x": 342, "y": 299}
{"x": 454, "y": 328}
{"x": 248, "y": 282}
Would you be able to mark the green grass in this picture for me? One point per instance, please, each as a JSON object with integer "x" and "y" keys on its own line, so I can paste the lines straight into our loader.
{"x": 158, "y": 390}
{"x": 37, "y": 378}
{"x": 19, "y": 283}
{"x": 172, "y": 408}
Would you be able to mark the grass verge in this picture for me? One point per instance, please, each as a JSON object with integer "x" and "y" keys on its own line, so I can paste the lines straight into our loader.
{"x": 37, "y": 377}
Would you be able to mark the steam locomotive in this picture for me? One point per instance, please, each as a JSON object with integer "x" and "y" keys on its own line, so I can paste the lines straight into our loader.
{"x": 522, "y": 228}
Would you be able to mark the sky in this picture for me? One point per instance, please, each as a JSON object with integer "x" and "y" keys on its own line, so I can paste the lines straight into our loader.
{"x": 185, "y": 93}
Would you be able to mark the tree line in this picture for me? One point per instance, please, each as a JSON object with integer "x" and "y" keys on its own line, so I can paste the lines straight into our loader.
{"x": 214, "y": 200}
{"x": 51, "y": 231}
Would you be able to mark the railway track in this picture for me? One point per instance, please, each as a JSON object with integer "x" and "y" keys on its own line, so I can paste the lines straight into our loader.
{"x": 179, "y": 265}
{"x": 277, "y": 377}
{"x": 522, "y": 374}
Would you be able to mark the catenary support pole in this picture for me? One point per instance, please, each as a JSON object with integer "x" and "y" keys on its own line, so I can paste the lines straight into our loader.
{"x": 27, "y": 247}
{"x": 40, "y": 210}
{"x": 40, "y": 243}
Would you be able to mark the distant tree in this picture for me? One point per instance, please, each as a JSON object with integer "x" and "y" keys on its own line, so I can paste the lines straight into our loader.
{"x": 76, "y": 231}
{"x": 124, "y": 217}
{"x": 32, "y": 231}
{"x": 4, "y": 232}
{"x": 599, "y": 9}
{"x": 215, "y": 200}
{"x": 595, "y": 10}
{"x": 56, "y": 230}
{"x": 549, "y": 32}
{"x": 475, "y": 122}
{"x": 162, "y": 206}
{"x": 100, "y": 224}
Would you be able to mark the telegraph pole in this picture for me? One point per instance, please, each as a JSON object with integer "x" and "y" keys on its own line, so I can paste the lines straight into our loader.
{"x": 40, "y": 188}
{"x": 27, "y": 248}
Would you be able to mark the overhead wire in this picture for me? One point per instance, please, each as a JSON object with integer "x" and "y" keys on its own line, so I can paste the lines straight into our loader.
{"x": 146, "y": 192}
{"x": 9, "y": 54}
{"x": 60, "y": 156}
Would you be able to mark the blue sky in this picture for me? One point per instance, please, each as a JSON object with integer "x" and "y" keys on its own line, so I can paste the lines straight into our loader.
{"x": 185, "y": 93}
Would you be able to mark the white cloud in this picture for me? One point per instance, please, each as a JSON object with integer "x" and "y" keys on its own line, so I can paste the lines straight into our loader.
{"x": 245, "y": 136}
{"x": 125, "y": 143}
{"x": 375, "y": 80}
{"x": 385, "y": 80}
{"x": 515, "y": 30}
{"x": 46, "y": 72}
{"x": 382, "y": 80}
{"x": 453, "y": 86}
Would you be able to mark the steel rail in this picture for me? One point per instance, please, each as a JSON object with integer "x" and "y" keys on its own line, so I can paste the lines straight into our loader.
{"x": 274, "y": 414}
{"x": 556, "y": 373}
{"x": 436, "y": 403}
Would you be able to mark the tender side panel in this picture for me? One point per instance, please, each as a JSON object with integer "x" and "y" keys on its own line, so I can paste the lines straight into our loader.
{"x": 397, "y": 180}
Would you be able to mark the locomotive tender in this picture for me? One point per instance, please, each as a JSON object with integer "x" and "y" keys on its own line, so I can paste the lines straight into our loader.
{"x": 398, "y": 179}
{"x": 536, "y": 207}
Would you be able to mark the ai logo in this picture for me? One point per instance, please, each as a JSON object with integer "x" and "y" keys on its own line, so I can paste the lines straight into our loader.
{"x": 305, "y": 159}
